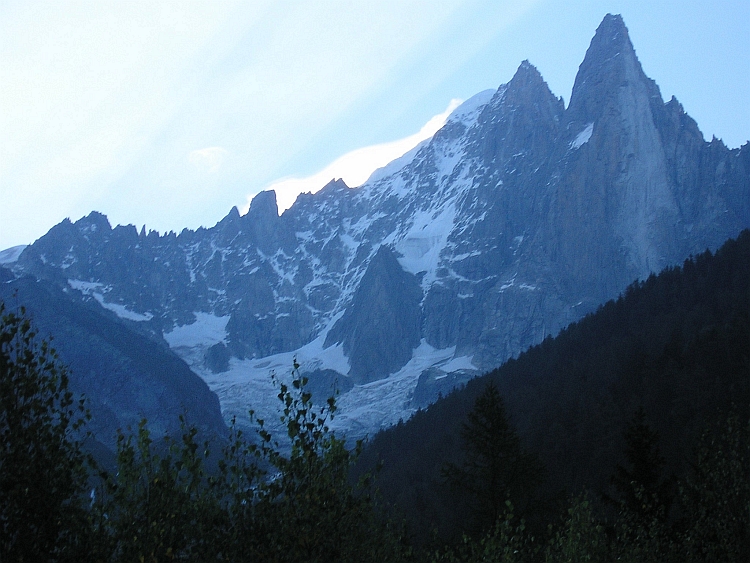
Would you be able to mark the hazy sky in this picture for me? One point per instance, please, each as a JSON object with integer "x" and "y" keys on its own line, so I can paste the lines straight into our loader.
{"x": 169, "y": 113}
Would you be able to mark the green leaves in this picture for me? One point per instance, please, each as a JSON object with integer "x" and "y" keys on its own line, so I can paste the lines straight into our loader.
{"x": 262, "y": 503}
{"x": 716, "y": 496}
{"x": 161, "y": 495}
{"x": 170, "y": 498}
{"x": 42, "y": 466}
{"x": 309, "y": 510}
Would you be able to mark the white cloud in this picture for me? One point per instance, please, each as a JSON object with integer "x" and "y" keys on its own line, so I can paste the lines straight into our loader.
{"x": 355, "y": 166}
{"x": 93, "y": 84}
{"x": 209, "y": 159}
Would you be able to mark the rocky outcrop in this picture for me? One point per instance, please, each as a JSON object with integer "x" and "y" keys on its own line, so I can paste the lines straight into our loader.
{"x": 613, "y": 214}
{"x": 124, "y": 375}
{"x": 381, "y": 327}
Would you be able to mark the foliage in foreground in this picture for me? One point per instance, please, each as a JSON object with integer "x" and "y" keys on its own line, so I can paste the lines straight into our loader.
{"x": 496, "y": 469}
{"x": 42, "y": 466}
{"x": 173, "y": 499}
{"x": 256, "y": 501}
{"x": 709, "y": 518}
{"x": 261, "y": 503}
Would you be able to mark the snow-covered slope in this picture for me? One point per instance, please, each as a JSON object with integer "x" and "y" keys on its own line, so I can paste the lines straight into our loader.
{"x": 10, "y": 255}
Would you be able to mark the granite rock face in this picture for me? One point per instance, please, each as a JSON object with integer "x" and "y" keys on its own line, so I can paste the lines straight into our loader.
{"x": 519, "y": 216}
{"x": 124, "y": 374}
{"x": 381, "y": 327}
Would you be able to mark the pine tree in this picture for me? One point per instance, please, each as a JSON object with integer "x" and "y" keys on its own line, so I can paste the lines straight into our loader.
{"x": 495, "y": 468}
{"x": 644, "y": 496}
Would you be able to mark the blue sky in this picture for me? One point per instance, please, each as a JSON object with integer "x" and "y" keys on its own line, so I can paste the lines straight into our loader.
{"x": 169, "y": 113}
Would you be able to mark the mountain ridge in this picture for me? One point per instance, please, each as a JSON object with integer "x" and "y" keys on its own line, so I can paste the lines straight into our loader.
{"x": 518, "y": 217}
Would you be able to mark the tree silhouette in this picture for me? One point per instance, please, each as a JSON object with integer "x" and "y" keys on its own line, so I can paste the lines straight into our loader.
{"x": 643, "y": 491}
{"x": 495, "y": 468}
{"x": 42, "y": 466}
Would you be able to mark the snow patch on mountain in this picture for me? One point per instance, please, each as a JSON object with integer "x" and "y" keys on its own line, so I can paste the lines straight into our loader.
{"x": 97, "y": 291}
{"x": 421, "y": 247}
{"x": 10, "y": 255}
{"x": 582, "y": 137}
{"x": 398, "y": 164}
{"x": 248, "y": 383}
{"x": 87, "y": 288}
{"x": 122, "y": 311}
{"x": 466, "y": 114}
{"x": 458, "y": 363}
{"x": 382, "y": 403}
{"x": 468, "y": 111}
{"x": 206, "y": 331}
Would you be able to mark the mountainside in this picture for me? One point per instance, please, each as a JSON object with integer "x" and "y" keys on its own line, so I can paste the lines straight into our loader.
{"x": 518, "y": 217}
{"x": 124, "y": 375}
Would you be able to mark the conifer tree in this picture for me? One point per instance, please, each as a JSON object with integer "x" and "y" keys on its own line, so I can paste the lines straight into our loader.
{"x": 495, "y": 468}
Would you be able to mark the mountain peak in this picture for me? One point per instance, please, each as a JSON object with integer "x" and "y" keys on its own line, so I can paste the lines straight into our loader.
{"x": 612, "y": 28}
{"x": 610, "y": 65}
{"x": 527, "y": 88}
{"x": 527, "y": 78}
{"x": 261, "y": 220}
{"x": 264, "y": 203}
{"x": 515, "y": 219}
{"x": 521, "y": 119}
{"x": 93, "y": 222}
{"x": 335, "y": 184}
{"x": 231, "y": 220}
{"x": 526, "y": 68}
{"x": 609, "y": 47}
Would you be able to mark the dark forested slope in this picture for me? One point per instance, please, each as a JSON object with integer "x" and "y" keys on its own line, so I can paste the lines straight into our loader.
{"x": 676, "y": 344}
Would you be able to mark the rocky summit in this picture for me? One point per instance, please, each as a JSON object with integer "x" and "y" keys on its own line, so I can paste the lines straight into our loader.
{"x": 518, "y": 217}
